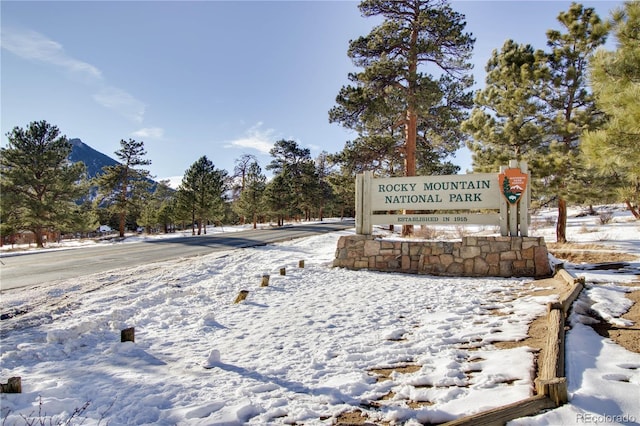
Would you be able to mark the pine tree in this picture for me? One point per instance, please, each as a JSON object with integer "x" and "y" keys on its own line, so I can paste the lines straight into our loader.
{"x": 536, "y": 107}
{"x": 123, "y": 186}
{"x": 615, "y": 78}
{"x": 250, "y": 202}
{"x": 415, "y": 78}
{"x": 82, "y": 219}
{"x": 279, "y": 198}
{"x": 504, "y": 122}
{"x": 325, "y": 193}
{"x": 398, "y": 88}
{"x": 379, "y": 146}
{"x": 570, "y": 109}
{"x": 377, "y": 153}
{"x": 156, "y": 208}
{"x": 342, "y": 184}
{"x": 39, "y": 185}
{"x": 294, "y": 165}
{"x": 202, "y": 191}
{"x": 240, "y": 172}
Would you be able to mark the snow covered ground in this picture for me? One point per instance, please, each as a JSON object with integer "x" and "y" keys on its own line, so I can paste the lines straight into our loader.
{"x": 303, "y": 349}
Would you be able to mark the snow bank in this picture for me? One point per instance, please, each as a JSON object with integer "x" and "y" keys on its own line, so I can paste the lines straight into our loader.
{"x": 302, "y": 350}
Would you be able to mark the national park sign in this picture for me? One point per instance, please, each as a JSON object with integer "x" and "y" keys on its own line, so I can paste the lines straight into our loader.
{"x": 452, "y": 192}
{"x": 477, "y": 198}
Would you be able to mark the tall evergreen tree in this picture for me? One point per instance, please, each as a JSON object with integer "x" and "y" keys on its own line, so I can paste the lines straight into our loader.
{"x": 288, "y": 157}
{"x": 344, "y": 189}
{"x": 504, "y": 123}
{"x": 569, "y": 108}
{"x": 536, "y": 107}
{"x": 615, "y": 78}
{"x": 243, "y": 164}
{"x": 279, "y": 198}
{"x": 341, "y": 179}
{"x": 294, "y": 164}
{"x": 157, "y": 207}
{"x": 310, "y": 199}
{"x": 379, "y": 146}
{"x": 168, "y": 214}
{"x": 82, "y": 219}
{"x": 250, "y": 202}
{"x": 415, "y": 77}
{"x": 39, "y": 184}
{"x": 324, "y": 190}
{"x": 202, "y": 192}
{"x": 123, "y": 186}
{"x": 417, "y": 39}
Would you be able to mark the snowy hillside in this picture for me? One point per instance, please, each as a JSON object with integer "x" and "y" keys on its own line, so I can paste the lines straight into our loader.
{"x": 316, "y": 343}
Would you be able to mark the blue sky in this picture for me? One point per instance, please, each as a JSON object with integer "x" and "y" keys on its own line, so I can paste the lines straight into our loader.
{"x": 214, "y": 78}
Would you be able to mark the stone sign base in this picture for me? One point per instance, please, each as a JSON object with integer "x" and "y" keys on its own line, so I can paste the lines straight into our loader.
{"x": 471, "y": 257}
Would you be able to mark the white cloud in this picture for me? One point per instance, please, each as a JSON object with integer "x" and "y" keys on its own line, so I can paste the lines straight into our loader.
{"x": 149, "y": 133}
{"x": 256, "y": 138}
{"x": 121, "y": 101}
{"x": 34, "y": 46}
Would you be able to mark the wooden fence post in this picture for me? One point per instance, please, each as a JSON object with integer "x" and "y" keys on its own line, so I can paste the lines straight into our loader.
{"x": 525, "y": 201}
{"x": 283, "y": 271}
{"x": 504, "y": 211}
{"x": 241, "y": 296}
{"x": 364, "y": 225}
{"x": 301, "y": 264}
{"x": 128, "y": 335}
{"x": 513, "y": 208}
{"x": 13, "y": 385}
{"x": 265, "y": 281}
{"x": 555, "y": 389}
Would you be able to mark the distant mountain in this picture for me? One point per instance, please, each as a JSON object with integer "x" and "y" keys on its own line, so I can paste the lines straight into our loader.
{"x": 94, "y": 160}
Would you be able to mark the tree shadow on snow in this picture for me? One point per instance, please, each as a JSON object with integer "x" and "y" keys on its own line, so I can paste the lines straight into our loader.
{"x": 291, "y": 386}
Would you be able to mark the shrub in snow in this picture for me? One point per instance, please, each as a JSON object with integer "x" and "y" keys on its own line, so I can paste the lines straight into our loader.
{"x": 605, "y": 217}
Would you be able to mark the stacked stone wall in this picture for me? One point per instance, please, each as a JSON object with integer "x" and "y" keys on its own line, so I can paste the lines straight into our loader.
{"x": 471, "y": 257}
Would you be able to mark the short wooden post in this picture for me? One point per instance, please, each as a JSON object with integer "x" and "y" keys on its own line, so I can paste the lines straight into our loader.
{"x": 13, "y": 385}
{"x": 504, "y": 211}
{"x": 241, "y": 296}
{"x": 128, "y": 335}
{"x": 265, "y": 281}
{"x": 283, "y": 271}
{"x": 364, "y": 225}
{"x": 359, "y": 196}
{"x": 523, "y": 205}
{"x": 301, "y": 264}
{"x": 555, "y": 389}
{"x": 513, "y": 208}
{"x": 558, "y": 391}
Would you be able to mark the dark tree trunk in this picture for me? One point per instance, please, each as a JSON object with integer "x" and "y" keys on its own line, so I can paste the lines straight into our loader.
{"x": 561, "y": 226}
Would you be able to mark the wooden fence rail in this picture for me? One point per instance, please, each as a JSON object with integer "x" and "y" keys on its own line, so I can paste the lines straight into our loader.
{"x": 551, "y": 385}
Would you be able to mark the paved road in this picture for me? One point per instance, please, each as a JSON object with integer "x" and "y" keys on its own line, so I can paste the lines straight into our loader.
{"x": 40, "y": 267}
